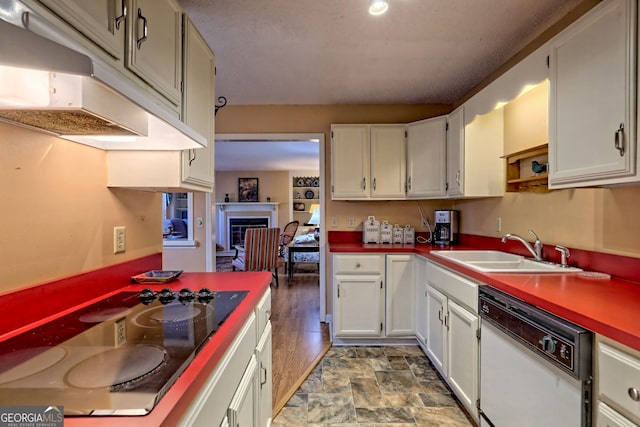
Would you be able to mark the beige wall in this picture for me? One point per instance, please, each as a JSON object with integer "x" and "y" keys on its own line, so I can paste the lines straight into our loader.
{"x": 58, "y": 214}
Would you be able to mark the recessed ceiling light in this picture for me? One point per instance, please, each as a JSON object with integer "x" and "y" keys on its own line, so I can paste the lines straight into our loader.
{"x": 378, "y": 7}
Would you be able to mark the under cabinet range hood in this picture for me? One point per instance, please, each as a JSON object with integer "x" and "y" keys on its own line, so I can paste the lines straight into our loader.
{"x": 47, "y": 86}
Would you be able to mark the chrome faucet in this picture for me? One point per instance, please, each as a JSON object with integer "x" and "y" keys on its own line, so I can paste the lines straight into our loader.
{"x": 536, "y": 249}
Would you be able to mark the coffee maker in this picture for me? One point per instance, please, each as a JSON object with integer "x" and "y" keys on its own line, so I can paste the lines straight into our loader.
{"x": 446, "y": 228}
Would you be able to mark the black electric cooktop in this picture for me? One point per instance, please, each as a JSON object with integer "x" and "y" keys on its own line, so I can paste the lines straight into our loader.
{"x": 117, "y": 356}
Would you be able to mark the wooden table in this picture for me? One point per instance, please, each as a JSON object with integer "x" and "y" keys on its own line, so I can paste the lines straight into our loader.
{"x": 299, "y": 247}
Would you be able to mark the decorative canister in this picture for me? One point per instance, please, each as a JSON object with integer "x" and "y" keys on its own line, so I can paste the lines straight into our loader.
{"x": 371, "y": 230}
{"x": 386, "y": 232}
{"x": 398, "y": 234}
{"x": 409, "y": 235}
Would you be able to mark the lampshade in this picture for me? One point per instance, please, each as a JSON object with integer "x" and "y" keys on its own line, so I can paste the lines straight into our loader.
{"x": 315, "y": 214}
{"x": 378, "y": 7}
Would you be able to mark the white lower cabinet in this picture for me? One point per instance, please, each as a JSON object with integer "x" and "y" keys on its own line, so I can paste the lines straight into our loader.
{"x": 436, "y": 328}
{"x": 358, "y": 306}
{"x": 265, "y": 378}
{"x": 399, "y": 296}
{"x": 617, "y": 381}
{"x": 239, "y": 391}
{"x": 452, "y": 332}
{"x": 420, "y": 298}
{"x": 242, "y": 409}
{"x": 373, "y": 296}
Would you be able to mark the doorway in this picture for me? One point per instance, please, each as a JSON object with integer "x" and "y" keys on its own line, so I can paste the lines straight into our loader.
{"x": 292, "y": 145}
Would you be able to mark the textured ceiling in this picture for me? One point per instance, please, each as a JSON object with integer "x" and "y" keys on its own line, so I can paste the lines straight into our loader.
{"x": 334, "y": 52}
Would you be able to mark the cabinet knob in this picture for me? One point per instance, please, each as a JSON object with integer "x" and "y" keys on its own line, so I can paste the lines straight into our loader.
{"x": 358, "y": 265}
{"x": 634, "y": 394}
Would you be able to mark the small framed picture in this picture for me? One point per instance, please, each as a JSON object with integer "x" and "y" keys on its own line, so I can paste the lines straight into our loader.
{"x": 247, "y": 189}
{"x": 299, "y": 207}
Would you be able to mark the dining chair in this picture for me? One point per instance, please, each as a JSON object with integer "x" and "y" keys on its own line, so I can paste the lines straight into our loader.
{"x": 259, "y": 252}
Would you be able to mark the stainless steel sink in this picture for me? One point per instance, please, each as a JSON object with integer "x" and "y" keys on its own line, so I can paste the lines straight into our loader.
{"x": 501, "y": 262}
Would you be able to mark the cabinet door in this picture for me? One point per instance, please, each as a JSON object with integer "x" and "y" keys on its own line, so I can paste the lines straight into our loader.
{"x": 358, "y": 305}
{"x": 349, "y": 161}
{"x": 420, "y": 292}
{"x": 242, "y": 407}
{"x": 592, "y": 120}
{"x": 198, "y": 105}
{"x": 400, "y": 302}
{"x": 265, "y": 378}
{"x": 455, "y": 153}
{"x": 436, "y": 330}
{"x": 426, "y": 158}
{"x": 388, "y": 161}
{"x": 155, "y": 45}
{"x": 462, "y": 355}
{"x": 102, "y": 21}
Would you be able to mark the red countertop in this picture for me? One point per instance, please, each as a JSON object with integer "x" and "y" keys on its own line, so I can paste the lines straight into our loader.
{"x": 605, "y": 306}
{"x": 54, "y": 299}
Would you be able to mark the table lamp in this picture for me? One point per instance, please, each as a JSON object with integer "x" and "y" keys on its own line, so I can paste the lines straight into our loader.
{"x": 315, "y": 220}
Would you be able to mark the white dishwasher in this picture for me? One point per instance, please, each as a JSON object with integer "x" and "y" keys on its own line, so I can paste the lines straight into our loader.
{"x": 535, "y": 368}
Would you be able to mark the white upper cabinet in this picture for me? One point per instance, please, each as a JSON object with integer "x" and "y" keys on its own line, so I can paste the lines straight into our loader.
{"x": 155, "y": 45}
{"x": 454, "y": 185}
{"x": 368, "y": 161}
{"x": 592, "y": 136}
{"x": 474, "y": 164}
{"x": 102, "y": 21}
{"x": 198, "y": 106}
{"x": 142, "y": 36}
{"x": 349, "y": 161}
{"x": 176, "y": 171}
{"x": 426, "y": 158}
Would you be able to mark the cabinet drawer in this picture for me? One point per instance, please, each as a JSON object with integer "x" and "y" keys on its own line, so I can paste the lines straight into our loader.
{"x": 455, "y": 286}
{"x": 619, "y": 376}
{"x": 358, "y": 264}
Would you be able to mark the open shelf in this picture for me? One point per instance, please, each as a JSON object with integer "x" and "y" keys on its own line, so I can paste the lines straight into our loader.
{"x": 520, "y": 174}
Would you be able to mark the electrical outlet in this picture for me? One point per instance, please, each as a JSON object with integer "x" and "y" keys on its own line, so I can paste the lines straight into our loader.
{"x": 498, "y": 224}
{"x": 119, "y": 239}
{"x": 351, "y": 222}
{"x": 334, "y": 221}
{"x": 121, "y": 332}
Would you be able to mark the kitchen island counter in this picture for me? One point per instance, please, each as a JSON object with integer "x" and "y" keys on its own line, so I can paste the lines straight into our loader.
{"x": 175, "y": 403}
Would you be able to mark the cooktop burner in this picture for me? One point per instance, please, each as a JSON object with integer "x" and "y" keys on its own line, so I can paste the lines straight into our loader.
{"x": 117, "y": 356}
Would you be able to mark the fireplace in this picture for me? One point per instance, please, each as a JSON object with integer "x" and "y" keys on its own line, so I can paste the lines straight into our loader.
{"x": 242, "y": 215}
{"x": 238, "y": 226}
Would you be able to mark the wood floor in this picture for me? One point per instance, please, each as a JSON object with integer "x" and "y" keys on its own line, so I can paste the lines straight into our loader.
{"x": 299, "y": 339}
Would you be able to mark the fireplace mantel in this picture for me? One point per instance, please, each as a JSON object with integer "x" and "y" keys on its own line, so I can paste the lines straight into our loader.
{"x": 248, "y": 206}
{"x": 226, "y": 211}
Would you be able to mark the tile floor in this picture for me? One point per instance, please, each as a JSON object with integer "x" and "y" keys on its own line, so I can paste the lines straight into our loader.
{"x": 373, "y": 386}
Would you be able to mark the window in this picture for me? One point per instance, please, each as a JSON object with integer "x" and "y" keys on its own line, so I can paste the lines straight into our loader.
{"x": 177, "y": 215}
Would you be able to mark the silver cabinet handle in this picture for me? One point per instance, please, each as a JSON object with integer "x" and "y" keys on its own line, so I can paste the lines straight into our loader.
{"x": 123, "y": 15}
{"x": 458, "y": 178}
{"x": 364, "y": 183}
{"x": 374, "y": 184}
{"x": 409, "y": 184}
{"x": 194, "y": 155}
{"x": 618, "y": 139}
{"x": 263, "y": 370}
{"x": 634, "y": 394}
{"x": 145, "y": 29}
